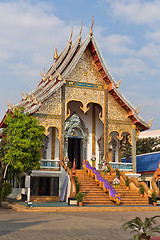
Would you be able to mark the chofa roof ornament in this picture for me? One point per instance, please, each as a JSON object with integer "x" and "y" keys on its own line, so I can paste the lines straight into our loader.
{"x": 70, "y": 40}
{"x": 91, "y": 31}
{"x": 79, "y": 38}
{"x": 55, "y": 54}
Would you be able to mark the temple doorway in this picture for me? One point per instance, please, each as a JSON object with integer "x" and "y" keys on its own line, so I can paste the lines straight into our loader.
{"x": 74, "y": 151}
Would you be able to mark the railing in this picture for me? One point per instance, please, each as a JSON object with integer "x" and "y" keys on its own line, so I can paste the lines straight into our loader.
{"x": 121, "y": 166}
{"x": 48, "y": 163}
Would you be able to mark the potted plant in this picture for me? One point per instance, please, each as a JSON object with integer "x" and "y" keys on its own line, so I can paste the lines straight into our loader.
{"x": 141, "y": 190}
{"x": 116, "y": 182}
{"x": 127, "y": 183}
{"x": 142, "y": 230}
{"x": 154, "y": 198}
{"x": 79, "y": 198}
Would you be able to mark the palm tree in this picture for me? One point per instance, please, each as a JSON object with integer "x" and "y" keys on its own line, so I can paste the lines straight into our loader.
{"x": 142, "y": 230}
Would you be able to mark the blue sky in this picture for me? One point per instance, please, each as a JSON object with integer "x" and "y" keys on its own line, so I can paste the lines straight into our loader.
{"x": 127, "y": 33}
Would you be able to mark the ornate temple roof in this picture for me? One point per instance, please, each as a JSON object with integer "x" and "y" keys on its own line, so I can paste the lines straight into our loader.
{"x": 54, "y": 79}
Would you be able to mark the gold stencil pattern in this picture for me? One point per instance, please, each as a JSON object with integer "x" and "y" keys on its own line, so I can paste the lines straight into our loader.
{"x": 115, "y": 111}
{"x": 52, "y": 105}
{"x": 86, "y": 71}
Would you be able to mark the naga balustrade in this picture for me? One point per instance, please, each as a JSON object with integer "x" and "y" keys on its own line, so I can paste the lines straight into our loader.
{"x": 103, "y": 183}
{"x": 48, "y": 163}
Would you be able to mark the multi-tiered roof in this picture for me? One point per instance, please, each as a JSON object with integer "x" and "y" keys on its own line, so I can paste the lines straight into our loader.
{"x": 54, "y": 79}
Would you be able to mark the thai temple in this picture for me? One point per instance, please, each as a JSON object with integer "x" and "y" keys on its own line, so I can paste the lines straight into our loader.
{"x": 86, "y": 119}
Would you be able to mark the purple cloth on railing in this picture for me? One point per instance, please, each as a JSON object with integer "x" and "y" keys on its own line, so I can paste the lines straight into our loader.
{"x": 112, "y": 191}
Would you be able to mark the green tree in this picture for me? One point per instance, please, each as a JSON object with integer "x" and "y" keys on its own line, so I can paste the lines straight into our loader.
{"x": 147, "y": 145}
{"x": 23, "y": 141}
{"x": 143, "y": 145}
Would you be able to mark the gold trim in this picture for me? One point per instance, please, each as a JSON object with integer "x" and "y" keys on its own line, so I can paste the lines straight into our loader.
{"x": 120, "y": 137}
{"x": 84, "y": 108}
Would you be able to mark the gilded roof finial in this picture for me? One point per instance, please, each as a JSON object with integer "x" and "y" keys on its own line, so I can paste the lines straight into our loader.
{"x": 55, "y": 54}
{"x": 118, "y": 83}
{"x": 91, "y": 31}
{"x": 79, "y": 38}
{"x": 137, "y": 109}
{"x": 70, "y": 40}
{"x": 10, "y": 107}
{"x": 24, "y": 96}
{"x": 149, "y": 124}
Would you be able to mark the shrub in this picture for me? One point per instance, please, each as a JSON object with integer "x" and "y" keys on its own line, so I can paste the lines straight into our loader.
{"x": 141, "y": 189}
{"x": 127, "y": 182}
{"x": 118, "y": 173}
{"x": 154, "y": 197}
{"x": 79, "y": 197}
{"x": 77, "y": 184}
{"x": 6, "y": 190}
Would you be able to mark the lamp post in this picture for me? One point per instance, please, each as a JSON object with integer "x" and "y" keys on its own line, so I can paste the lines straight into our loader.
{"x": 28, "y": 181}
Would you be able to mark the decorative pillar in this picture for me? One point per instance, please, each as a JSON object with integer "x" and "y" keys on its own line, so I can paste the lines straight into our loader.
{"x": 106, "y": 123}
{"x": 93, "y": 133}
{"x": 62, "y": 137}
{"x": 53, "y": 144}
{"x": 133, "y": 137}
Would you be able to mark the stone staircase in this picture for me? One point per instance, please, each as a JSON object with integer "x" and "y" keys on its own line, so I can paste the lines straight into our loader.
{"x": 94, "y": 195}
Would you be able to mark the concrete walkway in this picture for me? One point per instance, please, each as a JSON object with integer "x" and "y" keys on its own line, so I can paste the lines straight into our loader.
{"x": 67, "y": 225}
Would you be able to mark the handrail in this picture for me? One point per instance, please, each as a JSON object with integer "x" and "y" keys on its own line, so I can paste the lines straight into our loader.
{"x": 73, "y": 185}
{"x": 103, "y": 183}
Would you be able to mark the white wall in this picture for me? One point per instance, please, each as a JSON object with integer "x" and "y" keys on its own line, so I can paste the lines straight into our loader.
{"x": 114, "y": 134}
{"x": 49, "y": 149}
{"x": 56, "y": 146}
{"x": 99, "y": 133}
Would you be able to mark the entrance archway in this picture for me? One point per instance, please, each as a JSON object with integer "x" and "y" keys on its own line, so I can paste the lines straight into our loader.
{"x": 76, "y": 140}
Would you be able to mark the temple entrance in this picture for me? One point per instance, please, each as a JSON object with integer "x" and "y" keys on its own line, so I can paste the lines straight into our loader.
{"x": 75, "y": 140}
{"x": 74, "y": 151}
{"x": 44, "y": 186}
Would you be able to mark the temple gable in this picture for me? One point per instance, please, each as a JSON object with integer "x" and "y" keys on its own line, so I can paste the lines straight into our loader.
{"x": 86, "y": 71}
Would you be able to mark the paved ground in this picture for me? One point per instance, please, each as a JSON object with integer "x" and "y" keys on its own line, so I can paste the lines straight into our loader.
{"x": 66, "y": 225}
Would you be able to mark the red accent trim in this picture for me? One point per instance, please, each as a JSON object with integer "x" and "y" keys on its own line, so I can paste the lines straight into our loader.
{"x": 146, "y": 172}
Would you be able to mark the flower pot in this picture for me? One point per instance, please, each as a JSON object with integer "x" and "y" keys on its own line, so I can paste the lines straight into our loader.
{"x": 144, "y": 237}
{"x": 80, "y": 204}
{"x": 141, "y": 195}
{"x": 154, "y": 203}
{"x": 127, "y": 188}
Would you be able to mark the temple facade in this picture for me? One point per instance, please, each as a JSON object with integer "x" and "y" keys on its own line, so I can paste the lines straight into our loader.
{"x": 83, "y": 113}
